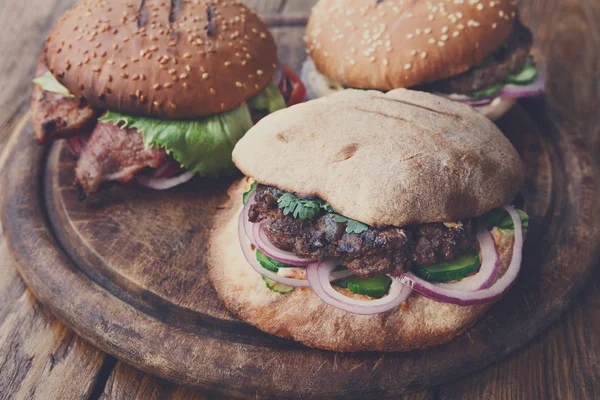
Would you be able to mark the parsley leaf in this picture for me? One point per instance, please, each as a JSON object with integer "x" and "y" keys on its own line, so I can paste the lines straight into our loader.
{"x": 352, "y": 226}
{"x": 300, "y": 208}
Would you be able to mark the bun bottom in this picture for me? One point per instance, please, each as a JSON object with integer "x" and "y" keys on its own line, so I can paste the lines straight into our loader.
{"x": 302, "y": 316}
{"x": 318, "y": 85}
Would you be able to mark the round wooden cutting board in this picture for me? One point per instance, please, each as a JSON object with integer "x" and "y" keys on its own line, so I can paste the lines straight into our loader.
{"x": 126, "y": 270}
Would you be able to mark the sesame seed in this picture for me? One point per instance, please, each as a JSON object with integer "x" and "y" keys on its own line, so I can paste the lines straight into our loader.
{"x": 427, "y": 30}
{"x": 227, "y": 63}
{"x": 424, "y": 55}
{"x": 413, "y": 52}
{"x": 386, "y": 62}
{"x": 432, "y": 41}
{"x": 407, "y": 66}
{"x": 238, "y": 84}
{"x": 172, "y": 105}
{"x": 156, "y": 104}
{"x": 167, "y": 85}
{"x": 212, "y": 91}
{"x": 480, "y": 6}
{"x": 124, "y": 75}
{"x": 444, "y": 29}
{"x": 115, "y": 46}
{"x": 156, "y": 86}
{"x": 441, "y": 44}
{"x": 409, "y": 35}
{"x": 455, "y": 33}
{"x": 135, "y": 77}
{"x": 259, "y": 72}
{"x": 494, "y": 25}
{"x": 186, "y": 55}
{"x": 185, "y": 85}
{"x": 444, "y": 37}
{"x": 205, "y": 76}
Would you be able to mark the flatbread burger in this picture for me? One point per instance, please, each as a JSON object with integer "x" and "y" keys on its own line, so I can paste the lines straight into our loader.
{"x": 370, "y": 221}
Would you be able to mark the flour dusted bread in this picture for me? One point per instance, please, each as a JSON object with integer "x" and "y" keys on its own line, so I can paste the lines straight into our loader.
{"x": 302, "y": 316}
{"x": 399, "y": 158}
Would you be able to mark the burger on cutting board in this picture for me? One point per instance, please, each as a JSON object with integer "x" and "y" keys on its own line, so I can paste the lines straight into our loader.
{"x": 370, "y": 221}
{"x": 157, "y": 92}
{"x": 473, "y": 51}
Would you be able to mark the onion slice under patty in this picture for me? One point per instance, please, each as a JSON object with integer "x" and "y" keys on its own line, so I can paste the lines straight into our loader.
{"x": 487, "y": 271}
{"x": 319, "y": 276}
{"x": 264, "y": 244}
{"x": 535, "y": 88}
{"x": 164, "y": 183}
{"x": 488, "y": 295}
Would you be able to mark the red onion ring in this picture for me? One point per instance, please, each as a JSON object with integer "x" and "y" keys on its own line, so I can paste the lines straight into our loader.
{"x": 249, "y": 254}
{"x": 319, "y": 276}
{"x": 264, "y": 244}
{"x": 488, "y": 295}
{"x": 164, "y": 183}
{"x": 488, "y": 270}
{"x": 535, "y": 88}
{"x": 279, "y": 76}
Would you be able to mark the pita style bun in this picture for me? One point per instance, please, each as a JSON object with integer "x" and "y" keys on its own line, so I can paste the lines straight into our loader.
{"x": 389, "y": 44}
{"x": 302, "y": 316}
{"x": 398, "y": 158}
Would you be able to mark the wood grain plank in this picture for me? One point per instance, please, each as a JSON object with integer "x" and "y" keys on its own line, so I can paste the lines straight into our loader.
{"x": 39, "y": 357}
{"x": 567, "y": 33}
{"x": 126, "y": 382}
{"x": 23, "y": 27}
{"x": 563, "y": 363}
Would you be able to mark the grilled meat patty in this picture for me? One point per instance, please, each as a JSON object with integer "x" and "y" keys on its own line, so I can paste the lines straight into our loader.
{"x": 56, "y": 115}
{"x": 114, "y": 154}
{"x": 508, "y": 59}
{"x": 389, "y": 250}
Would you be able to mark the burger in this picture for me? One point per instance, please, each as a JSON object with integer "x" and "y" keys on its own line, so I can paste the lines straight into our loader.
{"x": 475, "y": 52}
{"x": 157, "y": 92}
{"x": 370, "y": 222}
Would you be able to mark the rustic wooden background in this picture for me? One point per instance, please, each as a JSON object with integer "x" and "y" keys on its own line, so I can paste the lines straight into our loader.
{"x": 41, "y": 359}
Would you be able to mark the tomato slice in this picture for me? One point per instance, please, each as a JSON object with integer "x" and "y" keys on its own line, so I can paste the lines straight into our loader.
{"x": 298, "y": 89}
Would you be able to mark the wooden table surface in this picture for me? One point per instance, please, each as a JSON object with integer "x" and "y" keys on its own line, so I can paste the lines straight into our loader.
{"x": 41, "y": 359}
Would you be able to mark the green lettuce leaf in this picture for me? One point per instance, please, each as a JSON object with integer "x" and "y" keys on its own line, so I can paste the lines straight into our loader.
{"x": 203, "y": 146}
{"x": 49, "y": 83}
{"x": 270, "y": 100}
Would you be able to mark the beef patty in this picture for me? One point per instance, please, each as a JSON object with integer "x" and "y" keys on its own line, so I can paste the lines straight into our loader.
{"x": 390, "y": 250}
{"x": 114, "y": 154}
{"x": 56, "y": 115}
{"x": 508, "y": 59}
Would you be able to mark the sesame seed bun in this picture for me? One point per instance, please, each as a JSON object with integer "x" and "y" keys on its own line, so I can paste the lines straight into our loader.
{"x": 162, "y": 59}
{"x": 388, "y": 44}
{"x": 300, "y": 315}
{"x": 399, "y": 158}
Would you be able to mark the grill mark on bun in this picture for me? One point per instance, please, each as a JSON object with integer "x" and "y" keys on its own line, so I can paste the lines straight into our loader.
{"x": 175, "y": 7}
{"x": 142, "y": 17}
{"x": 381, "y": 114}
{"x": 433, "y": 110}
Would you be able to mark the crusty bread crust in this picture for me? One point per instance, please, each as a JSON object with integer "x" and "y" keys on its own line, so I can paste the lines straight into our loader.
{"x": 399, "y": 158}
{"x": 163, "y": 59}
{"x": 302, "y": 316}
{"x": 386, "y": 45}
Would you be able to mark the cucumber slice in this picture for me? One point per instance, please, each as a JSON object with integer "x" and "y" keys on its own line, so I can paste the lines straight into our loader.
{"x": 526, "y": 76}
{"x": 459, "y": 268}
{"x": 499, "y": 218}
{"x": 489, "y": 92}
{"x": 377, "y": 286}
{"x": 270, "y": 264}
{"x": 277, "y": 287}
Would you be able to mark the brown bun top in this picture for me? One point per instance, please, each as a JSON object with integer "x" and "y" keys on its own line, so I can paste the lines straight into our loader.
{"x": 400, "y": 158}
{"x": 164, "y": 59}
{"x": 389, "y": 44}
